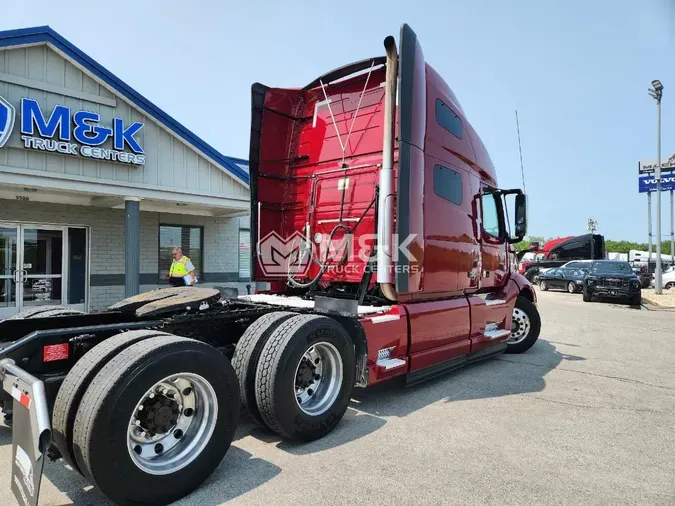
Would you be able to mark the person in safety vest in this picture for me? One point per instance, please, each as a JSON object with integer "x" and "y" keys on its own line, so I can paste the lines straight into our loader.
{"x": 181, "y": 272}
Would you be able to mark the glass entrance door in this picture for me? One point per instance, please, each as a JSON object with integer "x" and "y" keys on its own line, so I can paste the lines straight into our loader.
{"x": 42, "y": 261}
{"x": 9, "y": 274}
{"x": 42, "y": 265}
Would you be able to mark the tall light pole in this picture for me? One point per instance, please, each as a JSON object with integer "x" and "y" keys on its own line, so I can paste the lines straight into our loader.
{"x": 656, "y": 93}
{"x": 672, "y": 226}
{"x": 592, "y": 227}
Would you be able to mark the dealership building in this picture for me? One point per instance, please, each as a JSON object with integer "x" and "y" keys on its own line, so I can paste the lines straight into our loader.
{"x": 97, "y": 185}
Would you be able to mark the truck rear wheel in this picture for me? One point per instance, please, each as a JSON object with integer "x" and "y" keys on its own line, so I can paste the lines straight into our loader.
{"x": 525, "y": 326}
{"x": 78, "y": 379}
{"x": 305, "y": 377}
{"x": 157, "y": 420}
{"x": 246, "y": 356}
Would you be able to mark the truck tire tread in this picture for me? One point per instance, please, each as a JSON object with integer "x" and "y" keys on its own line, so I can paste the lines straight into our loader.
{"x": 246, "y": 356}
{"x": 76, "y": 382}
{"x": 97, "y": 412}
{"x": 269, "y": 373}
{"x": 39, "y": 312}
{"x": 104, "y": 380}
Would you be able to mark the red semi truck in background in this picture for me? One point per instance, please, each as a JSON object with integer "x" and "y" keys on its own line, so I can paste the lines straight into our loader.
{"x": 538, "y": 252}
{"x": 396, "y": 260}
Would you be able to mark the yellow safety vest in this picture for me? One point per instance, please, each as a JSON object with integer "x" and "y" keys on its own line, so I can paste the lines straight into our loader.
{"x": 178, "y": 267}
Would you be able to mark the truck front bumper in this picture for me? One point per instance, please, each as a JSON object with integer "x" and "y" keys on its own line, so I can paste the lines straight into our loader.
{"x": 616, "y": 293}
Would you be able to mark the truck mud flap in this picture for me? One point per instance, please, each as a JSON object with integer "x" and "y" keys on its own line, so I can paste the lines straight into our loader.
{"x": 31, "y": 431}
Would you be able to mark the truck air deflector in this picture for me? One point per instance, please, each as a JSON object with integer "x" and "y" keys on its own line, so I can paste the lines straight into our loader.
{"x": 410, "y": 51}
{"x": 258, "y": 92}
{"x": 345, "y": 71}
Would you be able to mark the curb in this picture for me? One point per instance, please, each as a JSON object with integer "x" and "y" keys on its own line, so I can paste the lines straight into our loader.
{"x": 652, "y": 306}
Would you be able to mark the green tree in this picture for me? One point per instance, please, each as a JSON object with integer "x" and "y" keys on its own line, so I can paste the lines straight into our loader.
{"x": 525, "y": 244}
{"x": 611, "y": 246}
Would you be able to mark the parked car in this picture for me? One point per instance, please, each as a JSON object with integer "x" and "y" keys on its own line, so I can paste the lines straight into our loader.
{"x": 667, "y": 278}
{"x": 563, "y": 278}
{"x": 612, "y": 278}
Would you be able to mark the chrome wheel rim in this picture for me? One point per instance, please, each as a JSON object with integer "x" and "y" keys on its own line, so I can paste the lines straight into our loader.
{"x": 318, "y": 379}
{"x": 520, "y": 326}
{"x": 542, "y": 285}
{"x": 570, "y": 287}
{"x": 172, "y": 423}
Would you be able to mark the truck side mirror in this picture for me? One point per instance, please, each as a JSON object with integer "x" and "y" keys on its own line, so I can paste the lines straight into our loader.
{"x": 521, "y": 216}
{"x": 515, "y": 205}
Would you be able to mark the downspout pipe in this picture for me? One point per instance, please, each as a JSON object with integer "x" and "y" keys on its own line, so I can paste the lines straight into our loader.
{"x": 385, "y": 224}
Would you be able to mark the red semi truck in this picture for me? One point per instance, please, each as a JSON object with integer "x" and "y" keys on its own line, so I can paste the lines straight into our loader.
{"x": 538, "y": 252}
{"x": 386, "y": 243}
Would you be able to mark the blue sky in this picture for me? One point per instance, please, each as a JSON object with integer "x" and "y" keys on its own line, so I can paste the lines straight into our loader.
{"x": 577, "y": 71}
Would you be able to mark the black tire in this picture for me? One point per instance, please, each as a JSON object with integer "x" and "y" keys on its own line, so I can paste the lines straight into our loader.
{"x": 532, "y": 275}
{"x": 75, "y": 385}
{"x": 668, "y": 285}
{"x": 587, "y": 296}
{"x": 103, "y": 418}
{"x": 246, "y": 355}
{"x": 543, "y": 285}
{"x": 528, "y": 307}
{"x": 572, "y": 287}
{"x": 636, "y": 299}
{"x": 40, "y": 312}
{"x": 275, "y": 376}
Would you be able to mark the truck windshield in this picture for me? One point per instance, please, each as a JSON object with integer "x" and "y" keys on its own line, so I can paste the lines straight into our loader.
{"x": 611, "y": 268}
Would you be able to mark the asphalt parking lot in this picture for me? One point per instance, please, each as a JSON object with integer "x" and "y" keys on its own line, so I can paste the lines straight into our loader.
{"x": 585, "y": 417}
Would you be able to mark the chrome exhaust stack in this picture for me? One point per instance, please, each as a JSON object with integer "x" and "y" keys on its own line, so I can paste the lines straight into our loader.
{"x": 385, "y": 225}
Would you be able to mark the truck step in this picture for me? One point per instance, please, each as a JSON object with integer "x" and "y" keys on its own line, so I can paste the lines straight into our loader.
{"x": 493, "y": 331}
{"x": 385, "y": 361}
{"x": 390, "y": 363}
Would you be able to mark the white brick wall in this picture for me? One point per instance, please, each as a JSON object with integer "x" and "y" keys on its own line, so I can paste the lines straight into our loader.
{"x": 221, "y": 240}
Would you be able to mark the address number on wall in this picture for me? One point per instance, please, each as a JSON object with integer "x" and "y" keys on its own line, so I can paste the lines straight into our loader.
{"x": 22, "y": 197}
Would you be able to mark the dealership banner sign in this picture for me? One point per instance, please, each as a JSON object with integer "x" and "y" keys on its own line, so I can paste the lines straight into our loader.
{"x": 649, "y": 166}
{"x": 78, "y": 133}
{"x": 647, "y": 184}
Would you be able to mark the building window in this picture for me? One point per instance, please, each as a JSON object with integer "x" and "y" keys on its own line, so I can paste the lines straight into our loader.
{"x": 187, "y": 238}
{"x": 447, "y": 118}
{"x": 448, "y": 184}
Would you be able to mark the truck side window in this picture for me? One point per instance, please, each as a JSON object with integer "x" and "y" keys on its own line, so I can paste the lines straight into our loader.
{"x": 447, "y": 118}
{"x": 448, "y": 184}
{"x": 490, "y": 215}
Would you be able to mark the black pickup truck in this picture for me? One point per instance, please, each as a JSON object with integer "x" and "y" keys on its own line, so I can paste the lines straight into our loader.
{"x": 612, "y": 278}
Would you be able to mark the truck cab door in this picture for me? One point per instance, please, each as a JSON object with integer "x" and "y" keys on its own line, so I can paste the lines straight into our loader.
{"x": 494, "y": 261}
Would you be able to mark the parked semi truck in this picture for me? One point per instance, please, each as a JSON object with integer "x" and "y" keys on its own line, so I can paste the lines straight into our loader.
{"x": 537, "y": 252}
{"x": 143, "y": 399}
